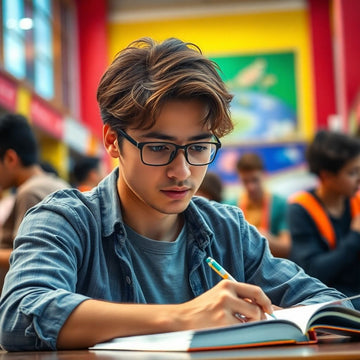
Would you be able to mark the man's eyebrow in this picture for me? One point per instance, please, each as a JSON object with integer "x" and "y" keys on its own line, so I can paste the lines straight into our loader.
{"x": 161, "y": 136}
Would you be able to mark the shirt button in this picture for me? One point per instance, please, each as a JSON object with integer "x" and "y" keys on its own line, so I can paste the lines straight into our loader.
{"x": 128, "y": 280}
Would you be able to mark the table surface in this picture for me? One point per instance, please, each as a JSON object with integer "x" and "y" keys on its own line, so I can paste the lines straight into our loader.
{"x": 329, "y": 350}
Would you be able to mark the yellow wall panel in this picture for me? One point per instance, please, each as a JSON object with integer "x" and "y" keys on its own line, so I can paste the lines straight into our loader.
{"x": 56, "y": 153}
{"x": 23, "y": 101}
{"x": 237, "y": 34}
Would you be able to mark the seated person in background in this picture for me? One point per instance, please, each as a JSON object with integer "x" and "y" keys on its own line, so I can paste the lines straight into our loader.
{"x": 129, "y": 257}
{"x": 266, "y": 211}
{"x": 325, "y": 222}
{"x": 20, "y": 170}
{"x": 211, "y": 187}
{"x": 87, "y": 173}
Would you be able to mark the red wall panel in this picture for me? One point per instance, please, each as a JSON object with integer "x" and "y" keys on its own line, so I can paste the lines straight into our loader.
{"x": 92, "y": 20}
{"x": 323, "y": 63}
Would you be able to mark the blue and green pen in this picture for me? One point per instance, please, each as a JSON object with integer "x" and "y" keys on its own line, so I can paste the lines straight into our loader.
{"x": 223, "y": 273}
{"x": 219, "y": 269}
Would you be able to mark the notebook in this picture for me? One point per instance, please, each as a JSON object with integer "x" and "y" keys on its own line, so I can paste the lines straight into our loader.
{"x": 291, "y": 326}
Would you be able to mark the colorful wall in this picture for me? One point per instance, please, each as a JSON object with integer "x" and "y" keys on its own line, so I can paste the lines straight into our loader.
{"x": 320, "y": 35}
{"x": 243, "y": 36}
{"x": 237, "y": 34}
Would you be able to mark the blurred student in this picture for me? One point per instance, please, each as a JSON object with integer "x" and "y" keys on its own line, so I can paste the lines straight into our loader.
{"x": 266, "y": 211}
{"x": 87, "y": 173}
{"x": 325, "y": 221}
{"x": 20, "y": 170}
{"x": 211, "y": 187}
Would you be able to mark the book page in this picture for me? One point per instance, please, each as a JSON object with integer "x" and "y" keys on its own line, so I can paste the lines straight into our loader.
{"x": 299, "y": 315}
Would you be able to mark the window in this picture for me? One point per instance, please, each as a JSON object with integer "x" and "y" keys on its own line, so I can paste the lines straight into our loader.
{"x": 43, "y": 46}
{"x": 39, "y": 47}
{"x": 14, "y": 38}
{"x": 69, "y": 58}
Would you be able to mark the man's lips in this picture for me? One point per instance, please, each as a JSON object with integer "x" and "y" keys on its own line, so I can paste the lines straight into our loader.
{"x": 176, "y": 193}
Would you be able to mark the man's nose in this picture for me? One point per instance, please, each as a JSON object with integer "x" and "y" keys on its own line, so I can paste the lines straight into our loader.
{"x": 179, "y": 167}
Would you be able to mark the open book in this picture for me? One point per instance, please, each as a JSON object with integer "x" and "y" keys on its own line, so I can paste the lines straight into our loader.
{"x": 293, "y": 325}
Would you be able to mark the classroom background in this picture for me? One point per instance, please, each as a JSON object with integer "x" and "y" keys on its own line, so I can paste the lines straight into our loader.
{"x": 292, "y": 66}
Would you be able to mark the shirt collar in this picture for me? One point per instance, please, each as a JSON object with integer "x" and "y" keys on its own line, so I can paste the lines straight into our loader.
{"x": 111, "y": 216}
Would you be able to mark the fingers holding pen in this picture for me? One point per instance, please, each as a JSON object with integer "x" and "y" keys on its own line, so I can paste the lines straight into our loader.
{"x": 247, "y": 300}
{"x": 251, "y": 294}
{"x": 226, "y": 303}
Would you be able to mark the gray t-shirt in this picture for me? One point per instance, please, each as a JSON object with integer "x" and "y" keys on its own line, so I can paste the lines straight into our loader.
{"x": 160, "y": 268}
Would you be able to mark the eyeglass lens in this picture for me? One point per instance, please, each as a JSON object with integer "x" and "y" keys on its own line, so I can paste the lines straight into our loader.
{"x": 162, "y": 153}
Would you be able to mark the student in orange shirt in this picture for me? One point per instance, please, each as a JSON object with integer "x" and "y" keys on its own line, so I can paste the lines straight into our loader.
{"x": 325, "y": 221}
{"x": 266, "y": 211}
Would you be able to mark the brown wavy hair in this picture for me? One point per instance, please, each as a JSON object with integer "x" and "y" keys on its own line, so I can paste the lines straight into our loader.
{"x": 146, "y": 74}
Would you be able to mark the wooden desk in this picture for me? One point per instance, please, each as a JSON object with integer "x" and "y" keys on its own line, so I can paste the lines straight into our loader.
{"x": 322, "y": 351}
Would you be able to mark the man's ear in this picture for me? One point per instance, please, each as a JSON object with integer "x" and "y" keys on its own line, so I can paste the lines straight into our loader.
{"x": 325, "y": 175}
{"x": 11, "y": 158}
{"x": 110, "y": 141}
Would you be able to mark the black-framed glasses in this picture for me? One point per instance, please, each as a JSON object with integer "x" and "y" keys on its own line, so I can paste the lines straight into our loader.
{"x": 160, "y": 153}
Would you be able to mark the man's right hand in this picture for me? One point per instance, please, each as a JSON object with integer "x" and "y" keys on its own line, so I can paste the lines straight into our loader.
{"x": 222, "y": 305}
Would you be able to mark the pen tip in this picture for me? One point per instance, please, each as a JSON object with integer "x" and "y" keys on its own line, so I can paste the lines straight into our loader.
{"x": 208, "y": 259}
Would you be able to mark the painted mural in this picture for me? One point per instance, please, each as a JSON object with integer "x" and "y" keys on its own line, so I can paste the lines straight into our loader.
{"x": 264, "y": 107}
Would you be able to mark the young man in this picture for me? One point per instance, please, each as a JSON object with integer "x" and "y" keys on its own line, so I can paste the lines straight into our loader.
{"x": 325, "y": 221}
{"x": 20, "y": 170}
{"x": 129, "y": 256}
{"x": 266, "y": 211}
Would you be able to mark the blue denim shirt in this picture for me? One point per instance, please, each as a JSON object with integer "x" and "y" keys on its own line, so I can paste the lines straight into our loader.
{"x": 73, "y": 246}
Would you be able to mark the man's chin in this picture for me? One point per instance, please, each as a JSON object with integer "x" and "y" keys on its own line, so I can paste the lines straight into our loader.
{"x": 175, "y": 209}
